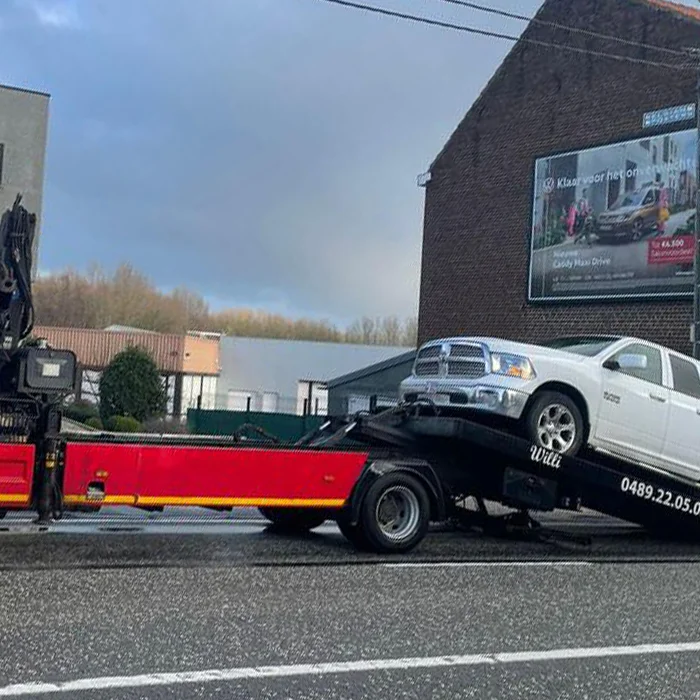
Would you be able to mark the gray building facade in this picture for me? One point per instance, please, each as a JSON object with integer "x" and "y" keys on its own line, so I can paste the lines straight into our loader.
{"x": 24, "y": 117}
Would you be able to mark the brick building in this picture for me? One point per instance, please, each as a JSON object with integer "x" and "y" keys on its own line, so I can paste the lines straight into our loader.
{"x": 487, "y": 195}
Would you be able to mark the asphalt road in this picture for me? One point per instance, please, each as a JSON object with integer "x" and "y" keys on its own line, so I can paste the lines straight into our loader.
{"x": 232, "y": 611}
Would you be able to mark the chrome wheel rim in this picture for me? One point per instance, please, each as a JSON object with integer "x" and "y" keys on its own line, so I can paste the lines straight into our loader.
{"x": 556, "y": 428}
{"x": 398, "y": 513}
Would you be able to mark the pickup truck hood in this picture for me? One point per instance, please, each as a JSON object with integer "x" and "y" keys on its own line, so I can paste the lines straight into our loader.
{"x": 530, "y": 350}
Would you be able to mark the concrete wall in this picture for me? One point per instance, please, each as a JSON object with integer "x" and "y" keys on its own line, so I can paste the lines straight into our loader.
{"x": 23, "y": 132}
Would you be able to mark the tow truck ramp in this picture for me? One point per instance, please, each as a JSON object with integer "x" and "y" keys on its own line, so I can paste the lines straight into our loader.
{"x": 384, "y": 478}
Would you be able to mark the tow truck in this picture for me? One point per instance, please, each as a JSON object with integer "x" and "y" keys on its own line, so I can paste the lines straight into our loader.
{"x": 383, "y": 476}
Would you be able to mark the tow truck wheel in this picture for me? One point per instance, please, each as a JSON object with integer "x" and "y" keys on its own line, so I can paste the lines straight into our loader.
{"x": 395, "y": 513}
{"x": 294, "y": 520}
{"x": 555, "y": 422}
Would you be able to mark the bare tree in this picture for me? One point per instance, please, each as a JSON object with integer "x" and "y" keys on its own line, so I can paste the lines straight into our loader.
{"x": 127, "y": 297}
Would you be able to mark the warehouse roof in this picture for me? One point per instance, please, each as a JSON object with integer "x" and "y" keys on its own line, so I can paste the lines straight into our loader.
{"x": 173, "y": 354}
{"x": 372, "y": 369}
{"x": 95, "y": 348}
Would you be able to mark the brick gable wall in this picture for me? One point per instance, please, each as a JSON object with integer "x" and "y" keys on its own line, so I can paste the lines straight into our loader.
{"x": 479, "y": 200}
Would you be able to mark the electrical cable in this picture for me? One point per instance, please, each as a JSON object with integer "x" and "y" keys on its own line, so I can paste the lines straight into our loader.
{"x": 499, "y": 35}
{"x": 565, "y": 27}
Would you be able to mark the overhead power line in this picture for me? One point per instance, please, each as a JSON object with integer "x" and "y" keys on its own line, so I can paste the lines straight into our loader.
{"x": 507, "y": 37}
{"x": 564, "y": 27}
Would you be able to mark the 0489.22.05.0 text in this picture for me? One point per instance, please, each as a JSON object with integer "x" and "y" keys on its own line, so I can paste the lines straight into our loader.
{"x": 663, "y": 497}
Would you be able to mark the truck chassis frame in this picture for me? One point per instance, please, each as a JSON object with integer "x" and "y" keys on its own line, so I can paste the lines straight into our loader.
{"x": 382, "y": 477}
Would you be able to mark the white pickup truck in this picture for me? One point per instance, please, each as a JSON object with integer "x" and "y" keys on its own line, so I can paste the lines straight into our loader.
{"x": 628, "y": 397}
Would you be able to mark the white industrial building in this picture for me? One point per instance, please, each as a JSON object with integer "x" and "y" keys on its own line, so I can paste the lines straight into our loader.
{"x": 288, "y": 376}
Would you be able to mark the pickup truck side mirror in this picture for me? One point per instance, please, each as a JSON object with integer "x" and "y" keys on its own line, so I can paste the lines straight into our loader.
{"x": 628, "y": 361}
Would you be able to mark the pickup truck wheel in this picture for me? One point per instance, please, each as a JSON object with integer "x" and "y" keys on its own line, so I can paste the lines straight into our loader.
{"x": 395, "y": 513}
{"x": 294, "y": 520}
{"x": 554, "y": 422}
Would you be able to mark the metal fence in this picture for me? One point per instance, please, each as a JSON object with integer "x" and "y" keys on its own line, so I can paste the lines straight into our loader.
{"x": 284, "y": 426}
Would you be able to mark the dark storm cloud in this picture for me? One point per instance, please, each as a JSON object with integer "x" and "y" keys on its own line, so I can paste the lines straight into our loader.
{"x": 261, "y": 152}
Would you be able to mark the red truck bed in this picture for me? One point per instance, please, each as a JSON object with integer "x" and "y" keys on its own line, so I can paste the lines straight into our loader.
{"x": 16, "y": 475}
{"x": 160, "y": 475}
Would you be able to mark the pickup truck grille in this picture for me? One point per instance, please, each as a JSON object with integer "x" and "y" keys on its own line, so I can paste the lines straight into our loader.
{"x": 459, "y": 360}
{"x": 428, "y": 369}
{"x": 468, "y": 370}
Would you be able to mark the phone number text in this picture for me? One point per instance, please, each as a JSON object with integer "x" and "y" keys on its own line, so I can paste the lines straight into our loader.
{"x": 661, "y": 496}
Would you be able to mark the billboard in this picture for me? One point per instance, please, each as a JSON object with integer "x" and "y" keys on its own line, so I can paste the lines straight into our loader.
{"x": 615, "y": 221}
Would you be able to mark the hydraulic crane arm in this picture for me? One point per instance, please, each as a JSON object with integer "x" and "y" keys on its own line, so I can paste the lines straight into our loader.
{"x": 17, "y": 230}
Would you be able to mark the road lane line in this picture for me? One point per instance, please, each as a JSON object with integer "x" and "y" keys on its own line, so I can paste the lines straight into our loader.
{"x": 332, "y": 668}
{"x": 481, "y": 564}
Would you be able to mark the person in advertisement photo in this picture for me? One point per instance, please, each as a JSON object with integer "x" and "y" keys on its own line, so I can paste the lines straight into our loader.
{"x": 615, "y": 220}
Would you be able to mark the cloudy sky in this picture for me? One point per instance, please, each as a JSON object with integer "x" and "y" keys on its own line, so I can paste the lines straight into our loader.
{"x": 262, "y": 152}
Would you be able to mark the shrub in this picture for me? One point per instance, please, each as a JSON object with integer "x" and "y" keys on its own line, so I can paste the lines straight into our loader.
{"x": 81, "y": 411}
{"x": 123, "y": 424}
{"x": 131, "y": 386}
{"x": 165, "y": 426}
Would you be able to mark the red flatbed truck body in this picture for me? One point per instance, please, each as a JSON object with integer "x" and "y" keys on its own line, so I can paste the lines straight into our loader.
{"x": 163, "y": 475}
{"x": 17, "y": 463}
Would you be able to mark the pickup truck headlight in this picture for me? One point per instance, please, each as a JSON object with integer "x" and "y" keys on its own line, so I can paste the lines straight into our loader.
{"x": 512, "y": 365}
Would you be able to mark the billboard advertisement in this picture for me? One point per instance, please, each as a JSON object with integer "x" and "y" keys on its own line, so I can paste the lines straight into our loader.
{"x": 615, "y": 221}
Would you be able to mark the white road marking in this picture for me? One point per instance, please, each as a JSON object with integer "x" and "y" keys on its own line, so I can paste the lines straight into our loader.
{"x": 321, "y": 669}
{"x": 481, "y": 564}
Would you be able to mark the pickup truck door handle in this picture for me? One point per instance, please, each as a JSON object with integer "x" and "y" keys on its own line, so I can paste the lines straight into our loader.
{"x": 658, "y": 398}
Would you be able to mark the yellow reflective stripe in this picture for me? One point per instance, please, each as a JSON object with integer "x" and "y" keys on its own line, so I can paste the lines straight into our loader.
{"x": 206, "y": 501}
{"x": 110, "y": 500}
{"x": 202, "y": 501}
{"x": 14, "y": 498}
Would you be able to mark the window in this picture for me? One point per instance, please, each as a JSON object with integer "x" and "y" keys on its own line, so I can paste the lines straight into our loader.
{"x": 649, "y": 198}
{"x": 653, "y": 372}
{"x": 685, "y": 377}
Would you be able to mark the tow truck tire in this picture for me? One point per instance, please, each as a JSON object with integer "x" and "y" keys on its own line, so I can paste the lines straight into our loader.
{"x": 294, "y": 520}
{"x": 352, "y": 533}
{"x": 395, "y": 513}
{"x": 555, "y": 422}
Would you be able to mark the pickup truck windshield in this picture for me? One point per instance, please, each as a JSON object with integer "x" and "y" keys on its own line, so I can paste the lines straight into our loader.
{"x": 590, "y": 347}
